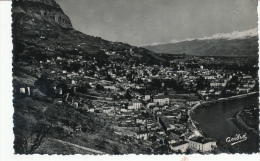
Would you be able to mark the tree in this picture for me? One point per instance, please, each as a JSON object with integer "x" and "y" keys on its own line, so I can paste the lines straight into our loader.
{"x": 83, "y": 88}
{"x": 200, "y": 83}
{"x": 75, "y": 67}
{"x": 128, "y": 95}
{"x": 45, "y": 85}
{"x": 188, "y": 151}
{"x": 157, "y": 83}
{"x": 99, "y": 87}
{"x": 29, "y": 133}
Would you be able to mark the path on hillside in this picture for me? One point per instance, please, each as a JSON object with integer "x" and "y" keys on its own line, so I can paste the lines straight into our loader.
{"x": 78, "y": 146}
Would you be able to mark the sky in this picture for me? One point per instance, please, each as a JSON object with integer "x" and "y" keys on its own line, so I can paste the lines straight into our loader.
{"x": 140, "y": 22}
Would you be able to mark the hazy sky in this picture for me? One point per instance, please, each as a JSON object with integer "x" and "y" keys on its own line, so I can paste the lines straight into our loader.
{"x": 139, "y": 22}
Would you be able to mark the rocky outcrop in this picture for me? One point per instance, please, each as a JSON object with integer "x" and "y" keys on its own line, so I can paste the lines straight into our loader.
{"x": 35, "y": 11}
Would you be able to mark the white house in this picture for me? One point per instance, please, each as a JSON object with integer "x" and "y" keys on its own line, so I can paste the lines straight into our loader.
{"x": 161, "y": 100}
{"x": 243, "y": 90}
{"x": 218, "y": 83}
{"x": 202, "y": 144}
{"x": 134, "y": 105}
{"x": 142, "y": 135}
{"x": 147, "y": 97}
{"x": 26, "y": 90}
{"x": 91, "y": 109}
{"x": 108, "y": 109}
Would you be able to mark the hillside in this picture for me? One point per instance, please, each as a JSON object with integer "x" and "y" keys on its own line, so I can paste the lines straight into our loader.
{"x": 46, "y": 47}
{"x": 231, "y": 44}
{"x": 43, "y": 26}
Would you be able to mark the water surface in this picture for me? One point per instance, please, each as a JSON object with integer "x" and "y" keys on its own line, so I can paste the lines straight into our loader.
{"x": 216, "y": 122}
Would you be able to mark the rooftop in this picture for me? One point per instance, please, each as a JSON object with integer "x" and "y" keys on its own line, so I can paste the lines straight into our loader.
{"x": 201, "y": 140}
{"x": 179, "y": 143}
{"x": 160, "y": 97}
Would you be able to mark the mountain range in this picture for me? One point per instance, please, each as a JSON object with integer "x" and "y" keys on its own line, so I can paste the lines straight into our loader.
{"x": 228, "y": 44}
{"x": 43, "y": 26}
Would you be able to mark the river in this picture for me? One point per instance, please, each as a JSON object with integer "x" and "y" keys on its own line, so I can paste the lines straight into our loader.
{"x": 215, "y": 121}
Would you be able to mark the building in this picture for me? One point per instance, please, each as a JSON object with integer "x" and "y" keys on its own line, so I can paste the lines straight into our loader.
{"x": 249, "y": 85}
{"x": 108, "y": 109}
{"x": 218, "y": 83}
{"x": 161, "y": 100}
{"x": 173, "y": 137}
{"x": 191, "y": 102}
{"x": 109, "y": 87}
{"x": 247, "y": 77}
{"x": 210, "y": 77}
{"x": 25, "y": 90}
{"x": 243, "y": 90}
{"x": 202, "y": 144}
{"x": 147, "y": 97}
{"x": 180, "y": 146}
{"x": 142, "y": 135}
{"x": 192, "y": 77}
{"x": 134, "y": 105}
{"x": 91, "y": 109}
{"x": 140, "y": 120}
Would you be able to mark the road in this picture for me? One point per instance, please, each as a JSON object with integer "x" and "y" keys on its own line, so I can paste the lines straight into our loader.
{"x": 93, "y": 151}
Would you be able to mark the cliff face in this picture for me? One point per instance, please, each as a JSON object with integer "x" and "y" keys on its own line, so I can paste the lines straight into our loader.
{"x": 34, "y": 11}
{"x": 43, "y": 26}
{"x": 38, "y": 22}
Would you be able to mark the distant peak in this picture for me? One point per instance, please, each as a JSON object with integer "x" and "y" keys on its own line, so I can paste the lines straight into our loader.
{"x": 234, "y": 35}
{"x": 227, "y": 36}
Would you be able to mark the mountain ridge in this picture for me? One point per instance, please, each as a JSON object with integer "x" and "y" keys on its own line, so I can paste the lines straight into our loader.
{"x": 230, "y": 36}
{"x": 227, "y": 44}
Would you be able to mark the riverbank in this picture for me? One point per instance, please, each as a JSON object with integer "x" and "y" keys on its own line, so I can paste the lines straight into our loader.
{"x": 240, "y": 123}
{"x": 204, "y": 104}
{"x": 252, "y": 135}
{"x": 216, "y": 121}
{"x": 195, "y": 107}
{"x": 190, "y": 113}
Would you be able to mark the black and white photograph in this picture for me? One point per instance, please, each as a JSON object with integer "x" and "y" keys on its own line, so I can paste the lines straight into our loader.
{"x": 117, "y": 77}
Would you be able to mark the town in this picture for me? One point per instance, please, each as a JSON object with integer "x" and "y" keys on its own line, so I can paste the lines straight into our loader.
{"x": 138, "y": 100}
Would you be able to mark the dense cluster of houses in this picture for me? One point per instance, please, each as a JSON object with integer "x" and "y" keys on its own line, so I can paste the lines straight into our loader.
{"x": 159, "y": 117}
